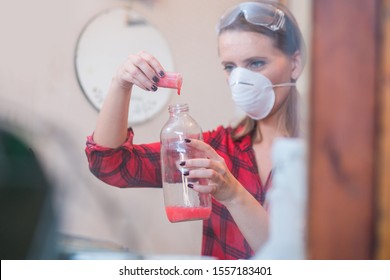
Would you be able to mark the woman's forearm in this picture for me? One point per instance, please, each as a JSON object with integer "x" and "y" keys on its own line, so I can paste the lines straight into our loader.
{"x": 111, "y": 127}
{"x": 140, "y": 69}
{"x": 250, "y": 217}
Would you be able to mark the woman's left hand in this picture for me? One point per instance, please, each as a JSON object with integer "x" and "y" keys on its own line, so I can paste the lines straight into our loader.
{"x": 250, "y": 217}
{"x": 221, "y": 182}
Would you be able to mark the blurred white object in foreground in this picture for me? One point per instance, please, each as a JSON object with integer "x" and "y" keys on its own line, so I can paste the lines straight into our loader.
{"x": 287, "y": 202}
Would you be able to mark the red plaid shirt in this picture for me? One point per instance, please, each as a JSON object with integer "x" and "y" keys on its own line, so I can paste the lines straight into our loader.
{"x": 139, "y": 166}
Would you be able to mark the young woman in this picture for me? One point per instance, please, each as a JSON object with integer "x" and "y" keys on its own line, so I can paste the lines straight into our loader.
{"x": 260, "y": 48}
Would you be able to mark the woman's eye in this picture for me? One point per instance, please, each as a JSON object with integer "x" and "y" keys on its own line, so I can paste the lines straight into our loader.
{"x": 228, "y": 68}
{"x": 256, "y": 65}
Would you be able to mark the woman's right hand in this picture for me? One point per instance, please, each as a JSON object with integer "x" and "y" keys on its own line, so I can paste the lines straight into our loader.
{"x": 141, "y": 69}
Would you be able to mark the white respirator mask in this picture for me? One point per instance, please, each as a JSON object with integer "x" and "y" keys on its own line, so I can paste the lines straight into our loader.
{"x": 253, "y": 92}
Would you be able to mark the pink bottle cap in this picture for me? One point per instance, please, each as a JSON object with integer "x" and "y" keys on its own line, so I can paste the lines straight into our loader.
{"x": 171, "y": 80}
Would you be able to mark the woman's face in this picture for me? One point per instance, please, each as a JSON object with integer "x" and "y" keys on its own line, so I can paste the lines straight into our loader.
{"x": 256, "y": 52}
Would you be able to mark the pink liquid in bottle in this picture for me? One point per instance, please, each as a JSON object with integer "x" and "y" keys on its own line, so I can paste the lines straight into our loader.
{"x": 171, "y": 80}
{"x": 181, "y": 213}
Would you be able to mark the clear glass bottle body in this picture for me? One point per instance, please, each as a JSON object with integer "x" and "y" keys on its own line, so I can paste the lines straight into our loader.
{"x": 182, "y": 203}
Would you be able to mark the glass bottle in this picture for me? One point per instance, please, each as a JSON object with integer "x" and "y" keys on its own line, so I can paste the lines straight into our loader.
{"x": 182, "y": 203}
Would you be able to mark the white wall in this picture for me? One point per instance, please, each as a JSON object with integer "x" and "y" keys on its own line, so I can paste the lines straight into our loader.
{"x": 39, "y": 92}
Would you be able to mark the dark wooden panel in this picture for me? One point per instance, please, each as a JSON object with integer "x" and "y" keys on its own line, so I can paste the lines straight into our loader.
{"x": 343, "y": 127}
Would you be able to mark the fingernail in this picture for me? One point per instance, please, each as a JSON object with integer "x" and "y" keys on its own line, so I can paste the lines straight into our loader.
{"x": 186, "y": 173}
{"x": 191, "y": 186}
{"x": 187, "y": 140}
{"x": 182, "y": 163}
{"x": 154, "y": 88}
{"x": 161, "y": 73}
{"x": 155, "y": 79}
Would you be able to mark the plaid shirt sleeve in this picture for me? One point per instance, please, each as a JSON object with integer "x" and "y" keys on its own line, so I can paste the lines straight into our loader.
{"x": 126, "y": 166}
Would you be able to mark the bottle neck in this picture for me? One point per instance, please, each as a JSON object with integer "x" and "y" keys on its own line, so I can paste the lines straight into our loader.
{"x": 177, "y": 109}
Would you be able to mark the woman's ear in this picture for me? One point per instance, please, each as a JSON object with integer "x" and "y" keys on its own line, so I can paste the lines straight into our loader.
{"x": 296, "y": 65}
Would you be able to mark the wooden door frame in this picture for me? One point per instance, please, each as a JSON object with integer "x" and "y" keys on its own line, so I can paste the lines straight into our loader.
{"x": 343, "y": 129}
{"x": 383, "y": 193}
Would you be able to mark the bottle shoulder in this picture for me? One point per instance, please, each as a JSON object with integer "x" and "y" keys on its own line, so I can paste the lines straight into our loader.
{"x": 181, "y": 127}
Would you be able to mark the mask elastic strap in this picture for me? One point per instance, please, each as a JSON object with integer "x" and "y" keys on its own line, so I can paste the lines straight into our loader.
{"x": 284, "y": 85}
